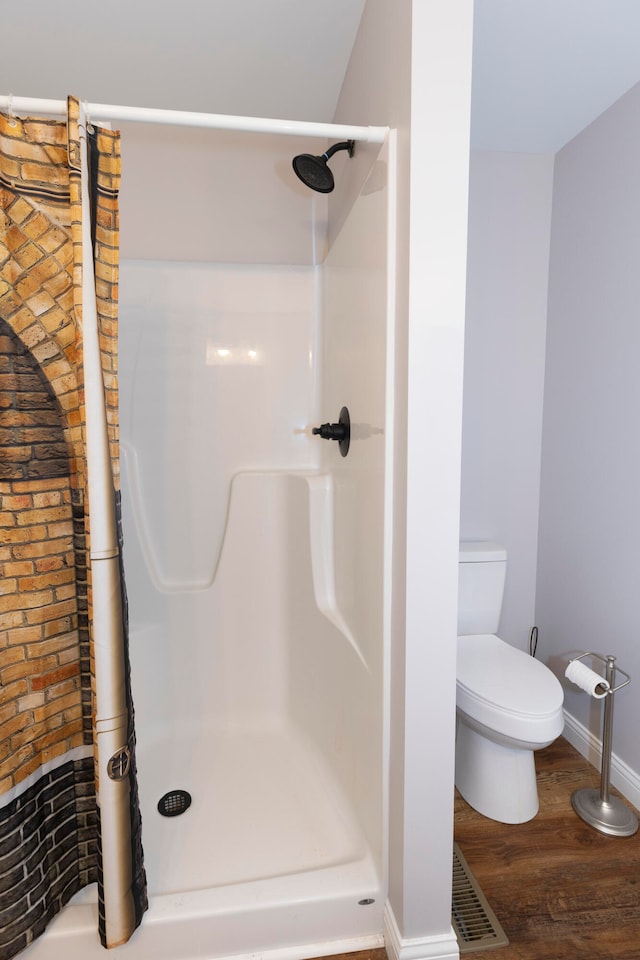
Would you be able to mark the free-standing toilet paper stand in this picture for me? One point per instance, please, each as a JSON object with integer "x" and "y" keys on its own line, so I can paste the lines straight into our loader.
{"x": 596, "y": 807}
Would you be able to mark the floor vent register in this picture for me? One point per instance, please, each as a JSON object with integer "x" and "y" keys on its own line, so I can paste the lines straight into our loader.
{"x": 474, "y": 922}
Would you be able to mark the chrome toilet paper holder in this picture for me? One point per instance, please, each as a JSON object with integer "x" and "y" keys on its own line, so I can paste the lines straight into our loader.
{"x": 597, "y": 807}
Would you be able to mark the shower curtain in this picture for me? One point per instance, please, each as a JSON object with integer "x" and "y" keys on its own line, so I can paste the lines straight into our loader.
{"x": 68, "y": 797}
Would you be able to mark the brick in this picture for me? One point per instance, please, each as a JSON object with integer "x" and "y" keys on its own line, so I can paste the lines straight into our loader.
{"x": 64, "y": 384}
{"x": 25, "y": 418}
{"x": 19, "y": 671}
{"x": 27, "y": 286}
{"x": 28, "y": 767}
{"x": 64, "y": 592}
{"x": 5, "y": 784}
{"x": 23, "y": 502}
{"x": 19, "y": 535}
{"x": 49, "y": 563}
{"x": 52, "y": 498}
{"x": 37, "y": 486}
{"x": 45, "y": 270}
{"x": 54, "y": 240}
{"x": 18, "y": 569}
{"x": 40, "y": 302}
{"x": 70, "y": 702}
{"x": 19, "y": 755}
{"x": 22, "y": 320}
{"x": 8, "y": 711}
{"x": 57, "y": 368}
{"x": 31, "y": 702}
{"x": 20, "y": 210}
{"x": 24, "y": 635}
{"x": 11, "y": 879}
{"x": 13, "y": 619}
{"x": 16, "y": 454}
{"x": 50, "y": 741}
{"x": 40, "y": 172}
{"x": 106, "y": 142}
{"x": 42, "y": 548}
{"x": 50, "y": 612}
{"x": 68, "y": 655}
{"x": 63, "y": 625}
{"x": 54, "y": 676}
{"x": 61, "y": 529}
{"x": 26, "y": 601}
{"x": 54, "y": 578}
{"x": 34, "y": 334}
{"x": 11, "y": 727}
{"x": 13, "y": 654}
{"x": 43, "y": 515}
{"x": 40, "y": 647}
{"x": 31, "y": 732}
{"x": 11, "y": 691}
{"x": 65, "y": 687}
{"x": 66, "y": 338}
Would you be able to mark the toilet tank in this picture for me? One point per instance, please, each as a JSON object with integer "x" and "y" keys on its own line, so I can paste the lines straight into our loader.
{"x": 481, "y": 574}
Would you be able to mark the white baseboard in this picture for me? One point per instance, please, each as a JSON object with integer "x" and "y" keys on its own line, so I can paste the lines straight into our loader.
{"x": 443, "y": 947}
{"x": 623, "y": 778}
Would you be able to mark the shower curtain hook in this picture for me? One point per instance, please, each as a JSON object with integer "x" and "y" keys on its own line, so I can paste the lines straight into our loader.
{"x": 12, "y": 119}
{"x": 87, "y": 118}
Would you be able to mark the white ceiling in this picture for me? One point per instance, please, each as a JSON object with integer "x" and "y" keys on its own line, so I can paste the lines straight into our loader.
{"x": 543, "y": 69}
{"x": 266, "y": 58}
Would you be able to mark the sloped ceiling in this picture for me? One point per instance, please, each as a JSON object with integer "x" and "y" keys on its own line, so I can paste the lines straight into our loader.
{"x": 266, "y": 58}
{"x": 543, "y": 69}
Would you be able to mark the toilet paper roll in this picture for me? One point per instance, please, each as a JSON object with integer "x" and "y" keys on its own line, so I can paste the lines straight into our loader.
{"x": 587, "y": 679}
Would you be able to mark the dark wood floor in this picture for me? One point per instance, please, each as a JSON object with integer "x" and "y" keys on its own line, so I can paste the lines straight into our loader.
{"x": 560, "y": 889}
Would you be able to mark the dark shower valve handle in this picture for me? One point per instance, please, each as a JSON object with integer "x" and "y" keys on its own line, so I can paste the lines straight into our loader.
{"x": 330, "y": 431}
{"x": 340, "y": 431}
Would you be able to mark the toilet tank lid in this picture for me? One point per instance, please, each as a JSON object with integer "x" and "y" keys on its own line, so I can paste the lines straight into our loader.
{"x": 481, "y": 551}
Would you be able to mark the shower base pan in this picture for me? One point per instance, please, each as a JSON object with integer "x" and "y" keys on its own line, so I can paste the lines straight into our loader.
{"x": 289, "y": 918}
{"x": 283, "y": 879}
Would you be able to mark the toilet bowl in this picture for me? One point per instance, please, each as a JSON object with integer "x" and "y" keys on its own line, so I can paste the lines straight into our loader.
{"x": 508, "y": 703}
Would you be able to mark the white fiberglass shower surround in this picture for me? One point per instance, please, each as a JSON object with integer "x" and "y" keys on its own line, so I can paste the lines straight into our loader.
{"x": 255, "y": 565}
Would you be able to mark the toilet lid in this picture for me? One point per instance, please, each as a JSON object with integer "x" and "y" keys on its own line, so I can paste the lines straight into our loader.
{"x": 492, "y": 671}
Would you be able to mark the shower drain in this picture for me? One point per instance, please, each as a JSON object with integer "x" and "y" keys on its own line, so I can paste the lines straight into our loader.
{"x": 174, "y": 803}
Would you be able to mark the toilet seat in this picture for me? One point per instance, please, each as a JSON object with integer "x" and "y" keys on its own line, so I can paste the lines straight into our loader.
{"x": 507, "y": 691}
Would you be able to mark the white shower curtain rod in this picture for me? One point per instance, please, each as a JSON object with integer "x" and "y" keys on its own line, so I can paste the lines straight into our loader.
{"x": 184, "y": 118}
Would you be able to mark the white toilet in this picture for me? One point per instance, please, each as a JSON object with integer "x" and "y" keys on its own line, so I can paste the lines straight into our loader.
{"x": 508, "y": 703}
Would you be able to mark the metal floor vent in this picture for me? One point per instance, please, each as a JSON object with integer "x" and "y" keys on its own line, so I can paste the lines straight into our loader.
{"x": 174, "y": 803}
{"x": 474, "y": 922}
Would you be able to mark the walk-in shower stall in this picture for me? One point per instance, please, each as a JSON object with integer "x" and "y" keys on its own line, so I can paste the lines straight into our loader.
{"x": 254, "y": 552}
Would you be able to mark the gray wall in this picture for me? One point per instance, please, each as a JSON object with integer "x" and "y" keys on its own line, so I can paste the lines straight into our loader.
{"x": 560, "y": 490}
{"x": 589, "y": 562}
{"x": 508, "y": 262}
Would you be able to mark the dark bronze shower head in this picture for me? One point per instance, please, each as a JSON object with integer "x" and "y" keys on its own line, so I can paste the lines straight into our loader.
{"x": 314, "y": 171}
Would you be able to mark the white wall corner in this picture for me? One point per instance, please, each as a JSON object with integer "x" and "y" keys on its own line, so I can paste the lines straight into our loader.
{"x": 441, "y": 947}
{"x": 623, "y": 778}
